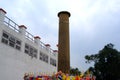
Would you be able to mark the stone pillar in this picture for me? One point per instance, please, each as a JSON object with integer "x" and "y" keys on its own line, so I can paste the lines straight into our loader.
{"x": 22, "y": 29}
{"x": 63, "y": 43}
{"x": 55, "y": 51}
{"x": 47, "y": 46}
{"x": 37, "y": 42}
{"x": 2, "y": 15}
{"x": 37, "y": 39}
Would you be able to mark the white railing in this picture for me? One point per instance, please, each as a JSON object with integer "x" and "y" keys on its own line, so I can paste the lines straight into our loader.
{"x": 29, "y": 36}
{"x": 11, "y": 24}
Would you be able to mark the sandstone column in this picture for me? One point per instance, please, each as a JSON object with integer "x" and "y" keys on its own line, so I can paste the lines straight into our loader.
{"x": 63, "y": 43}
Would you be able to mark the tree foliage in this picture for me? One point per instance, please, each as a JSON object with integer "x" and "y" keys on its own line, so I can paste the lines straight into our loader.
{"x": 75, "y": 71}
{"x": 106, "y": 63}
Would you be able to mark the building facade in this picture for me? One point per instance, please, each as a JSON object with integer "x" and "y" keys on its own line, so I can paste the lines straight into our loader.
{"x": 21, "y": 52}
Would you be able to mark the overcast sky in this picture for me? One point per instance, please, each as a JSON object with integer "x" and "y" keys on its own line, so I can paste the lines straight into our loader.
{"x": 93, "y": 23}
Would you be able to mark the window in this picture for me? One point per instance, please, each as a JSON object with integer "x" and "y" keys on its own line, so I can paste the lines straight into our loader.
{"x": 5, "y": 38}
{"x": 52, "y": 61}
{"x": 11, "y": 41}
{"x": 44, "y": 57}
{"x": 26, "y": 48}
{"x": 5, "y": 35}
{"x": 41, "y": 55}
{"x": 18, "y": 44}
{"x": 35, "y": 53}
{"x": 31, "y": 51}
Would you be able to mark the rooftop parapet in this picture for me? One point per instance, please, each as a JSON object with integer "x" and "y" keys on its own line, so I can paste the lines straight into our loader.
{"x": 22, "y": 29}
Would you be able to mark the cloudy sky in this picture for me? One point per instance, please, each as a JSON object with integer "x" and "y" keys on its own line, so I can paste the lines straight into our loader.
{"x": 93, "y": 23}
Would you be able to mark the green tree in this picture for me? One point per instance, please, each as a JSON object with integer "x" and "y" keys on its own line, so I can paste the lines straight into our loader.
{"x": 75, "y": 71}
{"x": 106, "y": 63}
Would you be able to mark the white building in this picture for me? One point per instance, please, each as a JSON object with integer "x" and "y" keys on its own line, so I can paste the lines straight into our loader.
{"x": 21, "y": 52}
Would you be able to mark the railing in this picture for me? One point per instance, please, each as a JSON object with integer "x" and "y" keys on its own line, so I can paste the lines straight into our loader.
{"x": 45, "y": 48}
{"x": 11, "y": 24}
{"x": 28, "y": 35}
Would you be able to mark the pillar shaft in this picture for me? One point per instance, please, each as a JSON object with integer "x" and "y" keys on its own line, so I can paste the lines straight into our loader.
{"x": 63, "y": 46}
